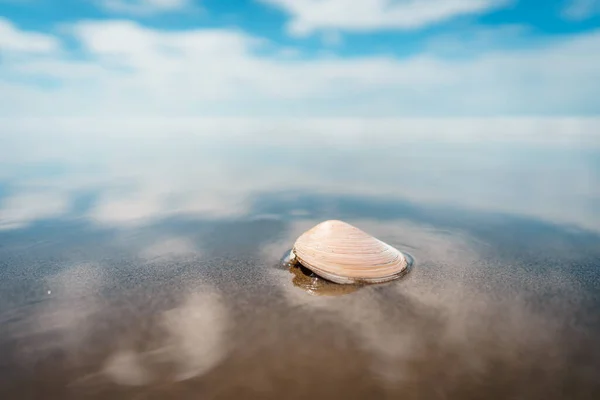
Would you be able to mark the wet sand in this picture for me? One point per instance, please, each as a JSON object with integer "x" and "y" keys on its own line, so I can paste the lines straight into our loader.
{"x": 145, "y": 263}
{"x": 205, "y": 309}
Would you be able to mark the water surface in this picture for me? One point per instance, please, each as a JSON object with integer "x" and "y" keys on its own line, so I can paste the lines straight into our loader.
{"x": 143, "y": 261}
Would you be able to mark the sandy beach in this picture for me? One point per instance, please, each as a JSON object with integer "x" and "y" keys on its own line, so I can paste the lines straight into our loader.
{"x": 152, "y": 274}
{"x": 211, "y": 312}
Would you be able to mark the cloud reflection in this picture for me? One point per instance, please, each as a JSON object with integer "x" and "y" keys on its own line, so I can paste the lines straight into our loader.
{"x": 169, "y": 249}
{"x": 195, "y": 340}
{"x": 21, "y": 209}
{"x": 125, "y": 368}
{"x": 141, "y": 172}
{"x": 448, "y": 310}
{"x": 198, "y": 332}
{"x": 74, "y": 301}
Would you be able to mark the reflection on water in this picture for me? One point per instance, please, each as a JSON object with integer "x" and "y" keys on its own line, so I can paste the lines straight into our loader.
{"x": 147, "y": 264}
{"x": 313, "y": 284}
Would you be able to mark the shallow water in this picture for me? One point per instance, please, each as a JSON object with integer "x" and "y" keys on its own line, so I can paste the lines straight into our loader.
{"x": 143, "y": 261}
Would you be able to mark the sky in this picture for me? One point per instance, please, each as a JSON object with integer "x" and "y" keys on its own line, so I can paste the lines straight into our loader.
{"x": 299, "y": 58}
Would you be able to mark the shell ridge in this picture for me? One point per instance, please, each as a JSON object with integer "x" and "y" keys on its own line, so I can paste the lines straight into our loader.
{"x": 345, "y": 254}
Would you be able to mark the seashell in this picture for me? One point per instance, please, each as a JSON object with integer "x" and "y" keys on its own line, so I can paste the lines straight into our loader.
{"x": 342, "y": 253}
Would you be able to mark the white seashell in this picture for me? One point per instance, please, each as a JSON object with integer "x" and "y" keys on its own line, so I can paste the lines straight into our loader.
{"x": 342, "y": 253}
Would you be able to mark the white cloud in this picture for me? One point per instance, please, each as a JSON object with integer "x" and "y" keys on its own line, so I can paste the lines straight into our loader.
{"x": 14, "y": 40}
{"x": 477, "y": 39}
{"x": 143, "y": 7}
{"x": 581, "y": 9}
{"x": 332, "y": 38}
{"x": 127, "y": 69}
{"x": 369, "y": 15}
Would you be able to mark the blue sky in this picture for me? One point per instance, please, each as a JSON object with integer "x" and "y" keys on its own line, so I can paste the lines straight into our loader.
{"x": 299, "y": 57}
